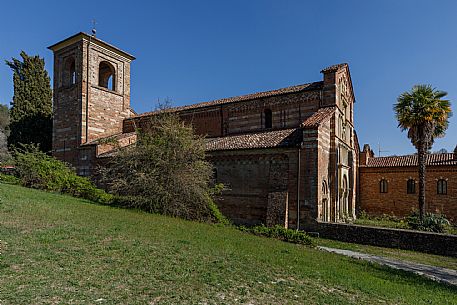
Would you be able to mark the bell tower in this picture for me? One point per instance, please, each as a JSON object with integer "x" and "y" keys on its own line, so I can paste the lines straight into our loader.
{"x": 91, "y": 94}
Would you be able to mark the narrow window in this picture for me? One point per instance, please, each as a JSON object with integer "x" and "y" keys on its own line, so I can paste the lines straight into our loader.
{"x": 441, "y": 187}
{"x": 73, "y": 73}
{"x": 325, "y": 206}
{"x": 106, "y": 76}
{"x": 383, "y": 186}
{"x": 268, "y": 118}
{"x": 69, "y": 72}
{"x": 411, "y": 186}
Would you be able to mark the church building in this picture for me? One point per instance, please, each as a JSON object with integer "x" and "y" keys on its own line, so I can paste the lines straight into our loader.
{"x": 287, "y": 156}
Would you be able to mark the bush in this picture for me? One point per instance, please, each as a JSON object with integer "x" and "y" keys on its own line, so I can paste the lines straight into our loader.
{"x": 279, "y": 232}
{"x": 36, "y": 169}
{"x": 431, "y": 222}
{"x": 10, "y": 179}
{"x": 164, "y": 172}
{"x": 136, "y": 202}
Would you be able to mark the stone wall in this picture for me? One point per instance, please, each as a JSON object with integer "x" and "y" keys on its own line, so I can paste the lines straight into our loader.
{"x": 441, "y": 244}
{"x": 251, "y": 177}
{"x": 397, "y": 201}
{"x": 277, "y": 209}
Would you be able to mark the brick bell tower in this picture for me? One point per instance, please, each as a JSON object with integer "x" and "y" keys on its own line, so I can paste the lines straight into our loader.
{"x": 91, "y": 96}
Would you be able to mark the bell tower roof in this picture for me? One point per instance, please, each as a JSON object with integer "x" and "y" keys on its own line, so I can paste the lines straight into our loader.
{"x": 84, "y": 36}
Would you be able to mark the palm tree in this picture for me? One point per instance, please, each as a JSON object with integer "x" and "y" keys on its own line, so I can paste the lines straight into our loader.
{"x": 424, "y": 114}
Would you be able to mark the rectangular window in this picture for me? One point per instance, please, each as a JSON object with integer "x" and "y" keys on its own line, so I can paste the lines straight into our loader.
{"x": 411, "y": 186}
{"x": 383, "y": 186}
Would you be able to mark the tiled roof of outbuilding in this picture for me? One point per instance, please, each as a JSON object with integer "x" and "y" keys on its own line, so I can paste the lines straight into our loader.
{"x": 247, "y": 97}
{"x": 269, "y": 139}
{"x": 318, "y": 117}
{"x": 411, "y": 160}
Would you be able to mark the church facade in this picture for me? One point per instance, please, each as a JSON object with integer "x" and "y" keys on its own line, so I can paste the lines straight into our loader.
{"x": 287, "y": 156}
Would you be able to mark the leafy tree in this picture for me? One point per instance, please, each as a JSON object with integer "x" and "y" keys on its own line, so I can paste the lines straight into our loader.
{"x": 441, "y": 151}
{"x": 164, "y": 172}
{"x": 31, "y": 111}
{"x": 424, "y": 114}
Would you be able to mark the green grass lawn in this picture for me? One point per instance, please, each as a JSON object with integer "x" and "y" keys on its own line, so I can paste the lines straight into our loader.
{"x": 61, "y": 250}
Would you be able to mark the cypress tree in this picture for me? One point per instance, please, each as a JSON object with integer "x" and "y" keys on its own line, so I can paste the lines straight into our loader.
{"x": 31, "y": 108}
{"x": 4, "y": 128}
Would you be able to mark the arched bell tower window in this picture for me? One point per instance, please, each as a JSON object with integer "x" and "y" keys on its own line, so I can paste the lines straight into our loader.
{"x": 268, "y": 118}
{"x": 69, "y": 73}
{"x": 106, "y": 76}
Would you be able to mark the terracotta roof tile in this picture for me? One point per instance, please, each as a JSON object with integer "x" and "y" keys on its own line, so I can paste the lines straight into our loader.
{"x": 269, "y": 139}
{"x": 114, "y": 137}
{"x": 411, "y": 160}
{"x": 292, "y": 89}
{"x": 114, "y": 151}
{"x": 318, "y": 117}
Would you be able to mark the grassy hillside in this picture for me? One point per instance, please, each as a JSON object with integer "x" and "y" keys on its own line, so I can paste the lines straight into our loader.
{"x": 60, "y": 250}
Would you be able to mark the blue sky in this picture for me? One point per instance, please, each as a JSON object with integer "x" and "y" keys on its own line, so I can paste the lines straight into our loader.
{"x": 192, "y": 51}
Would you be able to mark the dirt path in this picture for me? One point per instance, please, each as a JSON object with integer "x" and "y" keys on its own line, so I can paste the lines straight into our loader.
{"x": 439, "y": 274}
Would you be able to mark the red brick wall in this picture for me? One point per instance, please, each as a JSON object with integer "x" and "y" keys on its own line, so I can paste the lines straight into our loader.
{"x": 249, "y": 177}
{"x": 396, "y": 201}
{"x": 206, "y": 122}
{"x": 288, "y": 110}
{"x": 84, "y": 111}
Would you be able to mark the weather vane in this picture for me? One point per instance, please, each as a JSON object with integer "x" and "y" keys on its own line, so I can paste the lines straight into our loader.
{"x": 94, "y": 31}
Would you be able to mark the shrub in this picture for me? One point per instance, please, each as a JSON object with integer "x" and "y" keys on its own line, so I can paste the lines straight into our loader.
{"x": 36, "y": 169}
{"x": 10, "y": 179}
{"x": 279, "y": 232}
{"x": 136, "y": 202}
{"x": 164, "y": 172}
{"x": 431, "y": 222}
